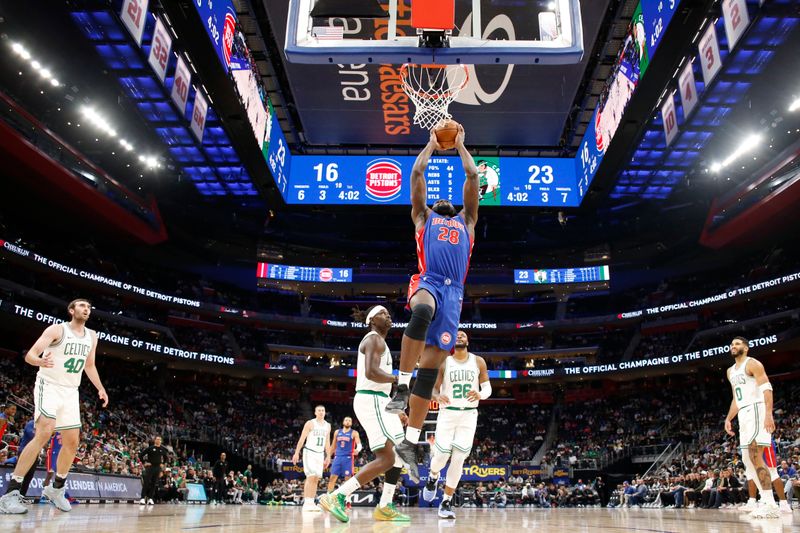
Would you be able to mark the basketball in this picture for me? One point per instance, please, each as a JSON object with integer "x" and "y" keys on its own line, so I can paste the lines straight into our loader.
{"x": 446, "y": 134}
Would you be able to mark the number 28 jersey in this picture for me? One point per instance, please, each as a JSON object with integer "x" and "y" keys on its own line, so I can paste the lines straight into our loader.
{"x": 69, "y": 357}
{"x": 444, "y": 247}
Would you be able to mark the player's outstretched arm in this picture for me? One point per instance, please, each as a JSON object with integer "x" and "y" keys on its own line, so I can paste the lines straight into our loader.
{"x": 419, "y": 189}
{"x": 93, "y": 375}
{"x": 50, "y": 336}
{"x": 471, "y": 182}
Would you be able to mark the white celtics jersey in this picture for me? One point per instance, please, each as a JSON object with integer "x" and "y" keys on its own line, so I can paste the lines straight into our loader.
{"x": 362, "y": 383}
{"x": 69, "y": 356}
{"x": 745, "y": 390}
{"x": 459, "y": 379}
{"x": 318, "y": 436}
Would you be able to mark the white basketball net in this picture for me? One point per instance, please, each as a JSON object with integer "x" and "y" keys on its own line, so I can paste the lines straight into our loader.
{"x": 432, "y": 88}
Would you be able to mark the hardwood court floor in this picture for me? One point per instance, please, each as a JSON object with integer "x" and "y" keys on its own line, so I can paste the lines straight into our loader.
{"x": 123, "y": 518}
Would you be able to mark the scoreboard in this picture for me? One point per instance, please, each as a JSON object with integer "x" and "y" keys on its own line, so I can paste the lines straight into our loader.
{"x": 304, "y": 273}
{"x": 547, "y": 276}
{"x": 365, "y": 180}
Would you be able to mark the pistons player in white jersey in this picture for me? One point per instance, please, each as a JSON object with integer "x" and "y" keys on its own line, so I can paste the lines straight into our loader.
{"x": 463, "y": 381}
{"x": 63, "y": 353}
{"x": 315, "y": 441}
{"x": 752, "y": 406}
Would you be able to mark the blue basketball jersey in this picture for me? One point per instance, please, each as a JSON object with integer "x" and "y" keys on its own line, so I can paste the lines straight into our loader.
{"x": 27, "y": 436}
{"x": 444, "y": 247}
{"x": 344, "y": 443}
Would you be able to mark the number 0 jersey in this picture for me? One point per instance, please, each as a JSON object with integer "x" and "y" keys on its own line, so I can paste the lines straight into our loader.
{"x": 444, "y": 247}
{"x": 69, "y": 357}
{"x": 745, "y": 389}
{"x": 459, "y": 379}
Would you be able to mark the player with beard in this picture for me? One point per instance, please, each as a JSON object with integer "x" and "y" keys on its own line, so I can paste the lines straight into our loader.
{"x": 435, "y": 295}
{"x": 461, "y": 377}
{"x": 63, "y": 353}
{"x": 752, "y": 406}
{"x": 374, "y": 379}
{"x": 345, "y": 446}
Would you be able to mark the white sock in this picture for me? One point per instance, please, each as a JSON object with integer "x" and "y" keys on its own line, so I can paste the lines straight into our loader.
{"x": 387, "y": 495}
{"x": 447, "y": 497}
{"x": 412, "y": 434}
{"x": 766, "y": 496}
{"x": 405, "y": 378}
{"x": 348, "y": 487}
{"x": 751, "y": 500}
{"x": 309, "y": 501}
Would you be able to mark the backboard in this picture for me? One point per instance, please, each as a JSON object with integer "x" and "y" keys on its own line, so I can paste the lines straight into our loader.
{"x": 480, "y": 35}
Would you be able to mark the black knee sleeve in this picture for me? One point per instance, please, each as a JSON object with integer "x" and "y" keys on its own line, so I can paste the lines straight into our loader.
{"x": 421, "y": 317}
{"x": 392, "y": 475}
{"x": 426, "y": 379}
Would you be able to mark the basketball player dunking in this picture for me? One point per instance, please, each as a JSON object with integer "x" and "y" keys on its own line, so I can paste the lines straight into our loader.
{"x": 345, "y": 446}
{"x": 461, "y": 377}
{"x": 374, "y": 381}
{"x": 752, "y": 406}
{"x": 316, "y": 446}
{"x": 444, "y": 245}
{"x": 62, "y": 353}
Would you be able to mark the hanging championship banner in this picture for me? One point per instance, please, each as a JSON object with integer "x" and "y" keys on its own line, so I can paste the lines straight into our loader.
{"x": 180, "y": 87}
{"x": 709, "y": 54}
{"x": 688, "y": 90}
{"x": 736, "y": 17}
{"x": 159, "y": 50}
{"x": 670, "y": 118}
{"x": 134, "y": 17}
{"x": 199, "y": 115}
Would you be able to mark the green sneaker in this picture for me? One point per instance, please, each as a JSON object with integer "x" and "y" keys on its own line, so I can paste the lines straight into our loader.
{"x": 335, "y": 505}
{"x": 390, "y": 514}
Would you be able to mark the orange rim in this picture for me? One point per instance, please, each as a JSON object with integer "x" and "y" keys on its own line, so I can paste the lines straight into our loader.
{"x": 423, "y": 94}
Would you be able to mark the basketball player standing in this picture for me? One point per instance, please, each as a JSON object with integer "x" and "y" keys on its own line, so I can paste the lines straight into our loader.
{"x": 62, "y": 353}
{"x": 435, "y": 295}
{"x": 752, "y": 406}
{"x": 346, "y": 444}
{"x": 463, "y": 381}
{"x": 374, "y": 381}
{"x": 315, "y": 443}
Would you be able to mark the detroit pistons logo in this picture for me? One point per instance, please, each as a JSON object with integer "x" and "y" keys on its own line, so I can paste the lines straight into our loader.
{"x": 445, "y": 338}
{"x": 326, "y": 274}
{"x": 227, "y": 36}
{"x": 384, "y": 180}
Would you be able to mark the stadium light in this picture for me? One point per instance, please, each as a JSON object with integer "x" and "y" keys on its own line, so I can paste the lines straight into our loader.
{"x": 795, "y": 105}
{"x": 750, "y": 143}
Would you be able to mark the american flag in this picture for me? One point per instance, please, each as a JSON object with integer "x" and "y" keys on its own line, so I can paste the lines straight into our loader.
{"x": 328, "y": 33}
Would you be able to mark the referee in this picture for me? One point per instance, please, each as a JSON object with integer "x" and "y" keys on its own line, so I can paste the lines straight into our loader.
{"x": 152, "y": 457}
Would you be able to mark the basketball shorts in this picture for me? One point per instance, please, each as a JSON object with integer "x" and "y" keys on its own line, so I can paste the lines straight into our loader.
{"x": 342, "y": 467}
{"x": 751, "y": 426}
{"x": 455, "y": 429}
{"x": 313, "y": 463}
{"x": 380, "y": 426}
{"x": 449, "y": 296}
{"x": 60, "y": 403}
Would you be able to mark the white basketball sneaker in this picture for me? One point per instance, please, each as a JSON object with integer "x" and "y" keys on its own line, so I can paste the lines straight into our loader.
{"x": 57, "y": 497}
{"x": 12, "y": 503}
{"x": 785, "y": 507}
{"x": 310, "y": 507}
{"x": 750, "y": 506}
{"x": 769, "y": 510}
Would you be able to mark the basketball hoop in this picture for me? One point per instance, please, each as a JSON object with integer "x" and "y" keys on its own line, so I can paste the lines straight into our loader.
{"x": 432, "y": 88}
